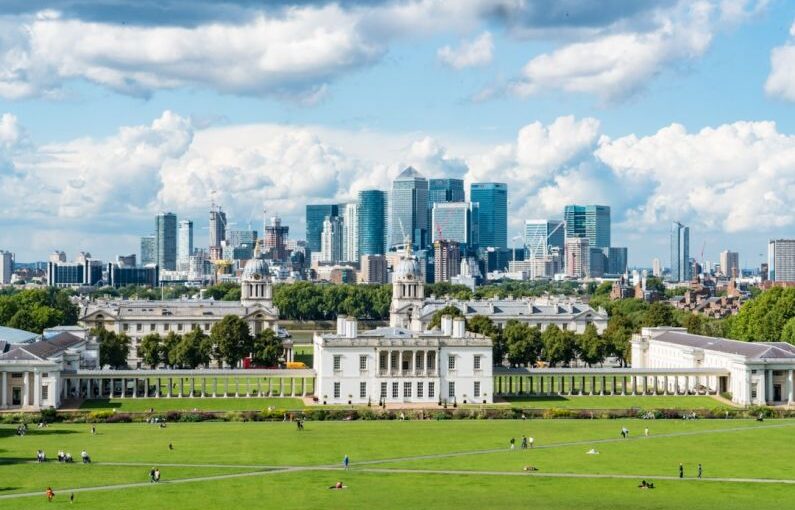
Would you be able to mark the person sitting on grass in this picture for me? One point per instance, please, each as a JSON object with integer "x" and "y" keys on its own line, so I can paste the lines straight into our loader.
{"x": 61, "y": 456}
{"x": 86, "y": 458}
{"x": 338, "y": 485}
{"x": 68, "y": 458}
{"x": 529, "y": 468}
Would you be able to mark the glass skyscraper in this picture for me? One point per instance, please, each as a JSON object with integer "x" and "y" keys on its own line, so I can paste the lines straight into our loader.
{"x": 591, "y": 221}
{"x": 540, "y": 236}
{"x": 184, "y": 244}
{"x": 148, "y": 250}
{"x": 492, "y": 199}
{"x": 372, "y": 212}
{"x": 166, "y": 241}
{"x": 315, "y": 216}
{"x": 680, "y": 253}
{"x": 445, "y": 190}
{"x": 409, "y": 203}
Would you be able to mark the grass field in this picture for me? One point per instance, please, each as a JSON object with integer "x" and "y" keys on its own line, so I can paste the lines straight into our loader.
{"x": 619, "y": 402}
{"x": 137, "y": 405}
{"x": 411, "y": 464}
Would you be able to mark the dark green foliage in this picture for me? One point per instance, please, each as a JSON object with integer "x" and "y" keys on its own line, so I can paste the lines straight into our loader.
{"x": 484, "y": 326}
{"x": 232, "y": 339}
{"x": 591, "y": 349}
{"x": 194, "y": 349}
{"x": 436, "y": 320}
{"x": 311, "y": 301}
{"x": 267, "y": 348}
{"x": 559, "y": 345}
{"x": 113, "y": 348}
{"x": 522, "y": 343}
{"x": 765, "y": 318}
{"x": 36, "y": 310}
{"x": 151, "y": 350}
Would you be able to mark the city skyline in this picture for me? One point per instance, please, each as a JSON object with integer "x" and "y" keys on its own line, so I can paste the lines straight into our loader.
{"x": 674, "y": 127}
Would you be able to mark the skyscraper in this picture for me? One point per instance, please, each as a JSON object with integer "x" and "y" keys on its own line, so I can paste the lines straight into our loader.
{"x": 184, "y": 244}
{"x": 350, "y": 232}
{"x": 409, "y": 203}
{"x": 492, "y": 200}
{"x": 331, "y": 240}
{"x": 656, "y": 267}
{"x": 6, "y": 266}
{"x": 447, "y": 260}
{"x": 274, "y": 238}
{"x": 166, "y": 241}
{"x": 591, "y": 221}
{"x": 452, "y": 221}
{"x": 578, "y": 257}
{"x": 541, "y": 236}
{"x": 445, "y": 190}
{"x": 372, "y": 210}
{"x": 730, "y": 263}
{"x": 148, "y": 250}
{"x": 217, "y": 231}
{"x": 616, "y": 260}
{"x": 680, "y": 253}
{"x": 781, "y": 260}
{"x": 315, "y": 216}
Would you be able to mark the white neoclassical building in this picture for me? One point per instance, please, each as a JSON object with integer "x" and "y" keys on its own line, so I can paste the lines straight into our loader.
{"x": 755, "y": 372}
{"x": 403, "y": 363}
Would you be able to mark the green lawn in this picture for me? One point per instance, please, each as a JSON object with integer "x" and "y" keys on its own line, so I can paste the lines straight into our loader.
{"x": 188, "y": 404}
{"x": 726, "y": 448}
{"x": 619, "y": 402}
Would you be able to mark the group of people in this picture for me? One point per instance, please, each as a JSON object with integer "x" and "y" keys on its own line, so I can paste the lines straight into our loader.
{"x": 646, "y": 485}
{"x": 64, "y": 456}
{"x": 154, "y": 475}
{"x": 682, "y": 471}
{"x": 526, "y": 442}
{"x": 299, "y": 422}
{"x": 22, "y": 430}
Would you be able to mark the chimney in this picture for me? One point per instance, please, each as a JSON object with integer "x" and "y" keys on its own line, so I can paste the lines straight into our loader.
{"x": 351, "y": 327}
{"x": 459, "y": 327}
{"x": 447, "y": 325}
{"x": 341, "y": 324}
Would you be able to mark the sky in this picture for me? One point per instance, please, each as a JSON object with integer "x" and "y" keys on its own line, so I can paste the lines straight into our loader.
{"x": 114, "y": 110}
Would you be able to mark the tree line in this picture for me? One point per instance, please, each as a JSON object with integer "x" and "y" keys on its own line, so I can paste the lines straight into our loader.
{"x": 35, "y": 310}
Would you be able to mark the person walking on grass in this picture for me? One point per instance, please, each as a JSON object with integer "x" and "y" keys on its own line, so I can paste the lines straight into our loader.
{"x": 157, "y": 476}
{"x": 50, "y": 494}
{"x": 524, "y": 443}
{"x": 532, "y": 441}
{"x": 513, "y": 443}
{"x": 699, "y": 470}
{"x": 152, "y": 475}
{"x": 346, "y": 461}
{"x": 646, "y": 432}
{"x": 681, "y": 471}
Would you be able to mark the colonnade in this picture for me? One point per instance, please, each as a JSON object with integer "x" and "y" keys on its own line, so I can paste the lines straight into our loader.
{"x": 423, "y": 362}
{"x": 590, "y": 383}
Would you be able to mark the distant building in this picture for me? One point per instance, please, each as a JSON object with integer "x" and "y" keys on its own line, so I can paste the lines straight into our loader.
{"x": 75, "y": 274}
{"x": 236, "y": 238}
{"x": 316, "y": 214}
{"x": 542, "y": 236}
{"x": 442, "y": 191}
{"x": 217, "y": 231}
{"x": 781, "y": 260}
{"x": 447, "y": 260}
{"x": 589, "y": 221}
{"x": 342, "y": 274}
{"x": 350, "y": 232}
{"x": 681, "y": 271}
{"x": 578, "y": 257}
{"x": 126, "y": 260}
{"x": 492, "y": 200}
{"x": 148, "y": 250}
{"x": 409, "y": 209}
{"x": 58, "y": 257}
{"x": 373, "y": 210}
{"x": 452, "y": 221}
{"x": 616, "y": 260}
{"x": 166, "y": 241}
{"x": 123, "y": 275}
{"x": 656, "y": 268}
{"x": 184, "y": 244}
{"x": 730, "y": 263}
{"x": 6, "y": 266}
{"x": 373, "y": 269}
{"x": 331, "y": 240}
{"x": 273, "y": 246}
{"x": 598, "y": 263}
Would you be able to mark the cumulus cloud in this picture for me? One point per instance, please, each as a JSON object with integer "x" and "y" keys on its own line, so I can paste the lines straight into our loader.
{"x": 781, "y": 80}
{"x": 477, "y": 52}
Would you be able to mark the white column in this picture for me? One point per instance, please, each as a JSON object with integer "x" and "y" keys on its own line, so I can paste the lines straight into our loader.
{"x": 37, "y": 390}
{"x": 4, "y": 389}
{"x": 135, "y": 387}
{"x": 790, "y": 390}
{"x": 25, "y": 389}
{"x": 303, "y": 386}
{"x": 292, "y": 394}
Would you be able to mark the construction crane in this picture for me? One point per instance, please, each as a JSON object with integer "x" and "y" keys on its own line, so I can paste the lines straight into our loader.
{"x": 540, "y": 245}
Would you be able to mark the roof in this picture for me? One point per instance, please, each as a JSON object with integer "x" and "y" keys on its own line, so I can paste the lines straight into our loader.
{"x": 42, "y": 349}
{"x": 16, "y": 336}
{"x": 409, "y": 173}
{"x": 188, "y": 309}
{"x": 388, "y": 335}
{"x": 750, "y": 350}
{"x": 3, "y": 346}
{"x": 19, "y": 354}
{"x": 514, "y": 308}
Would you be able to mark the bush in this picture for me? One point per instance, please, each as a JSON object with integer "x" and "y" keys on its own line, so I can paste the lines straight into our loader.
{"x": 119, "y": 418}
{"x": 99, "y": 416}
{"x": 49, "y": 415}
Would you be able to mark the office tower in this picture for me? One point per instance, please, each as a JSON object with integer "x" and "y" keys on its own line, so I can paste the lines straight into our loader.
{"x": 542, "y": 236}
{"x": 121, "y": 275}
{"x": 598, "y": 263}
{"x": 446, "y": 260}
{"x": 350, "y": 232}
{"x": 331, "y": 240}
{"x": 148, "y": 250}
{"x": 373, "y": 269}
{"x": 315, "y": 216}
{"x": 126, "y": 260}
{"x": 763, "y": 271}
{"x": 680, "y": 253}
{"x": 86, "y": 272}
{"x": 656, "y": 268}
{"x": 730, "y": 263}
{"x": 57, "y": 257}
{"x": 616, "y": 260}
{"x": 409, "y": 203}
{"x": 578, "y": 257}
{"x": 445, "y": 190}
{"x": 492, "y": 200}
{"x": 217, "y": 232}
{"x": 274, "y": 239}
{"x": 373, "y": 213}
{"x": 184, "y": 244}
{"x": 6, "y": 266}
{"x": 452, "y": 221}
{"x": 166, "y": 241}
{"x": 781, "y": 260}
{"x": 591, "y": 221}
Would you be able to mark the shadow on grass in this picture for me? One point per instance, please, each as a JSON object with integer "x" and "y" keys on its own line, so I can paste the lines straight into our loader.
{"x": 550, "y": 398}
{"x": 100, "y": 404}
{"x": 34, "y": 431}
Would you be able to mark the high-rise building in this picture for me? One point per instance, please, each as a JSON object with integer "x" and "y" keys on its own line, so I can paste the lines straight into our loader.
{"x": 656, "y": 268}
{"x": 57, "y": 257}
{"x": 781, "y": 260}
{"x": 238, "y": 238}
{"x": 452, "y": 221}
{"x": 492, "y": 200}
{"x": 148, "y": 250}
{"x": 316, "y": 214}
{"x": 409, "y": 203}
{"x": 6, "y": 266}
{"x": 541, "y": 237}
{"x": 166, "y": 241}
{"x": 446, "y": 260}
{"x": 591, "y": 221}
{"x": 445, "y": 190}
{"x": 126, "y": 260}
{"x": 616, "y": 260}
{"x": 578, "y": 257}
{"x": 350, "y": 232}
{"x": 217, "y": 230}
{"x": 123, "y": 275}
{"x": 373, "y": 269}
{"x": 274, "y": 239}
{"x": 65, "y": 274}
{"x": 331, "y": 240}
{"x": 730, "y": 263}
{"x": 372, "y": 222}
{"x": 681, "y": 270}
{"x": 184, "y": 244}
{"x": 598, "y": 263}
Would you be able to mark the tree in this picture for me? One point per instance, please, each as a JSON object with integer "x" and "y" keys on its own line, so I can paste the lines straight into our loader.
{"x": 436, "y": 320}
{"x": 654, "y": 283}
{"x": 151, "y": 350}
{"x": 590, "y": 346}
{"x": 617, "y": 334}
{"x": 484, "y": 326}
{"x": 113, "y": 348}
{"x": 558, "y": 345}
{"x": 764, "y": 318}
{"x": 267, "y": 348}
{"x": 232, "y": 339}
{"x": 170, "y": 352}
{"x": 788, "y": 332}
{"x": 659, "y": 314}
{"x": 693, "y": 323}
{"x": 522, "y": 343}
{"x": 192, "y": 349}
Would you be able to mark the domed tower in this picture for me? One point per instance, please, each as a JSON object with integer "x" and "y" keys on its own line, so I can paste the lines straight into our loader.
{"x": 255, "y": 284}
{"x": 408, "y": 291}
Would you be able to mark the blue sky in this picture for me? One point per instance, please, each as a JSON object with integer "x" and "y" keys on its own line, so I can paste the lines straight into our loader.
{"x": 673, "y": 110}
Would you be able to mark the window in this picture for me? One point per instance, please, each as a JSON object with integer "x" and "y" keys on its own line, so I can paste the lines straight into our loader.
{"x": 152, "y": 327}
{"x": 565, "y": 326}
{"x": 477, "y": 362}
{"x": 337, "y": 362}
{"x": 362, "y": 390}
{"x": 206, "y": 326}
{"x": 363, "y": 362}
{"x": 139, "y": 327}
{"x": 179, "y": 327}
{"x": 383, "y": 390}
{"x": 336, "y": 390}
{"x": 431, "y": 389}
{"x": 451, "y": 389}
{"x": 477, "y": 389}
{"x": 406, "y": 390}
{"x": 419, "y": 390}
{"x": 451, "y": 362}
{"x": 394, "y": 390}
{"x": 45, "y": 374}
{"x": 165, "y": 326}
{"x": 45, "y": 392}
{"x": 125, "y": 326}
{"x": 382, "y": 362}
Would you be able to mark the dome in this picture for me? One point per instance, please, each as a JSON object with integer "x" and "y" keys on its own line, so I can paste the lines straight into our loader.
{"x": 256, "y": 269}
{"x": 408, "y": 269}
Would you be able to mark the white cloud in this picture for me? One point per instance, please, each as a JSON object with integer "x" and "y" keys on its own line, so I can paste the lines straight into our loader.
{"x": 477, "y": 52}
{"x": 781, "y": 80}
